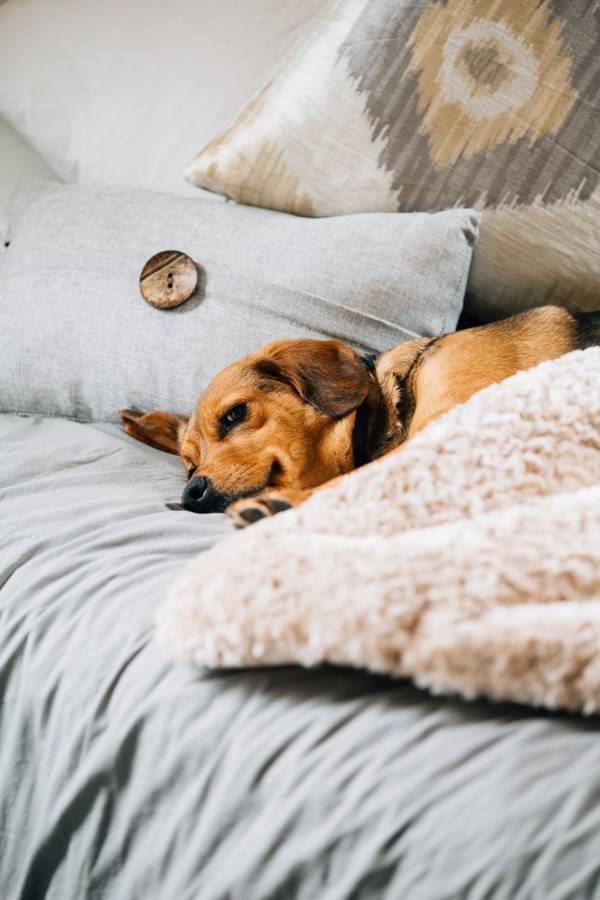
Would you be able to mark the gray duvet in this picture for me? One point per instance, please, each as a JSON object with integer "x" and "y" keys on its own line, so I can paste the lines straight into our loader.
{"x": 124, "y": 778}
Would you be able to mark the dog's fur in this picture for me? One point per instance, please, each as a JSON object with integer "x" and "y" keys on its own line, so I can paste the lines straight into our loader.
{"x": 302, "y": 413}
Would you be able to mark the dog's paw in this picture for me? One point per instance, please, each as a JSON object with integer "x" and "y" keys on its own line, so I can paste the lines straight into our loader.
{"x": 252, "y": 509}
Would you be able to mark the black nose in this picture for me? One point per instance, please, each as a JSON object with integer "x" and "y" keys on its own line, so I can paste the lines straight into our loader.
{"x": 199, "y": 496}
{"x": 194, "y": 493}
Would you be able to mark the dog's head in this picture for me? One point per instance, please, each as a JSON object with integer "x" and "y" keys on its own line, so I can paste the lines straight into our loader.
{"x": 279, "y": 417}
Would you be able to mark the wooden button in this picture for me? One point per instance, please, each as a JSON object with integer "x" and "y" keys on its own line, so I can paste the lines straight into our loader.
{"x": 168, "y": 279}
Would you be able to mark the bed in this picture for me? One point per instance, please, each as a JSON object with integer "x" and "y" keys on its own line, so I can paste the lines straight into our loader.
{"x": 122, "y": 776}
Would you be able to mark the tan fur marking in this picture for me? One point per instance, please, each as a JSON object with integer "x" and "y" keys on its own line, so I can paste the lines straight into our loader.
{"x": 463, "y": 363}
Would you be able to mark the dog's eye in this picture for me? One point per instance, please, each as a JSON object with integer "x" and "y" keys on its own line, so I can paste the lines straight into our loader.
{"x": 232, "y": 417}
{"x": 191, "y": 471}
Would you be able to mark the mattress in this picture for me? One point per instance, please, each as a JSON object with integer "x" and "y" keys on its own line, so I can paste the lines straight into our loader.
{"x": 124, "y": 777}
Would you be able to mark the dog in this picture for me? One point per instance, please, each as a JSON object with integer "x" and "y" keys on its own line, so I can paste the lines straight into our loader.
{"x": 297, "y": 415}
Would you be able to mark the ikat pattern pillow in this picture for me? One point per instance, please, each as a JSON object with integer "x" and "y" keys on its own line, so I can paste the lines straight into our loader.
{"x": 410, "y": 105}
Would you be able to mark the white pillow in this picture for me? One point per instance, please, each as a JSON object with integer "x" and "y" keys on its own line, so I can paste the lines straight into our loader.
{"x": 18, "y": 164}
{"x": 123, "y": 92}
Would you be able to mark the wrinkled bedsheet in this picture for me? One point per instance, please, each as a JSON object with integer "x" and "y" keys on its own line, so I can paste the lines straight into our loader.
{"x": 124, "y": 777}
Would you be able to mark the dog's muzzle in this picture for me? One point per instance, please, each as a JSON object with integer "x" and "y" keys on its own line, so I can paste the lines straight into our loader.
{"x": 199, "y": 496}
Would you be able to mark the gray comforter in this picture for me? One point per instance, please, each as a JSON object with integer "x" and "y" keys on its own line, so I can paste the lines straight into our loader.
{"x": 124, "y": 778}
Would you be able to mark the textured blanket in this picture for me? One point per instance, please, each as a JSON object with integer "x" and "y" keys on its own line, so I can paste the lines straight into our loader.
{"x": 469, "y": 561}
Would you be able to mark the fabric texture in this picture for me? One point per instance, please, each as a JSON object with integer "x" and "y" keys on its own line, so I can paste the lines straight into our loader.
{"x": 122, "y": 94}
{"x": 78, "y": 340}
{"x": 470, "y": 560}
{"x": 422, "y": 106}
{"x": 18, "y": 164}
{"x": 122, "y": 776}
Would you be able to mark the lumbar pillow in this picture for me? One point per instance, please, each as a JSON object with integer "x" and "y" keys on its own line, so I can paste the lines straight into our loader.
{"x": 424, "y": 106}
{"x": 123, "y": 93}
{"x": 77, "y": 338}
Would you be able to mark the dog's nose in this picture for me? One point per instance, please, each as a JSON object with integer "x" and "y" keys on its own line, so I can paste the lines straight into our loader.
{"x": 195, "y": 494}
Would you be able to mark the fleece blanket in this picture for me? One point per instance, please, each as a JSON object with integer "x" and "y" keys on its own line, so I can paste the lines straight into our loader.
{"x": 469, "y": 560}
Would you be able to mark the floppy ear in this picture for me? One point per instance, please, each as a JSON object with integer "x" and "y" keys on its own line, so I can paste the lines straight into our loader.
{"x": 327, "y": 374}
{"x": 159, "y": 429}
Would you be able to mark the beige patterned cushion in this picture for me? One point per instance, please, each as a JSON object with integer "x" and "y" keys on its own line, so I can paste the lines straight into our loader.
{"x": 419, "y": 106}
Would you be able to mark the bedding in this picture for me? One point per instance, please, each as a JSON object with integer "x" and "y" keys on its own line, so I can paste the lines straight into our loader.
{"x": 422, "y": 106}
{"x": 122, "y": 776}
{"x": 122, "y": 94}
{"x": 470, "y": 560}
{"x": 78, "y": 340}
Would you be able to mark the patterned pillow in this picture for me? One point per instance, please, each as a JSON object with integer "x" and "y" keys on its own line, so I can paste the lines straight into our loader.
{"x": 410, "y": 105}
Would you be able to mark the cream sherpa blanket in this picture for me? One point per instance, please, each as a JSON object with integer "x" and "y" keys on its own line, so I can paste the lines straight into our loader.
{"x": 469, "y": 561}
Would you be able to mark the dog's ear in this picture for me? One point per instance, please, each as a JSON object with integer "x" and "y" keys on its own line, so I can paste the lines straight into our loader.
{"x": 159, "y": 429}
{"x": 327, "y": 374}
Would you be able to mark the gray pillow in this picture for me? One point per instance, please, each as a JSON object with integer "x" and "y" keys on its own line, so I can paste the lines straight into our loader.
{"x": 78, "y": 340}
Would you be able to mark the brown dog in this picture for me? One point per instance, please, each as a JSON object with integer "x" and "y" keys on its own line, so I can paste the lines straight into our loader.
{"x": 296, "y": 415}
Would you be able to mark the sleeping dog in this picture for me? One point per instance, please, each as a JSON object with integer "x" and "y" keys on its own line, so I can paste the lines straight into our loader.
{"x": 299, "y": 414}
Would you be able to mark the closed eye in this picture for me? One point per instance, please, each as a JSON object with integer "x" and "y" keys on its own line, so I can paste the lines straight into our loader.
{"x": 233, "y": 417}
{"x": 191, "y": 471}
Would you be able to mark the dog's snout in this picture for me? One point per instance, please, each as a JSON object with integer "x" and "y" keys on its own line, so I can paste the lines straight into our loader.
{"x": 196, "y": 488}
{"x": 194, "y": 493}
{"x": 199, "y": 496}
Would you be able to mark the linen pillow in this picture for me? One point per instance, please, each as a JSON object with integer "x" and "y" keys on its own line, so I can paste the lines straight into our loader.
{"x": 412, "y": 106}
{"x": 78, "y": 340}
{"x": 123, "y": 93}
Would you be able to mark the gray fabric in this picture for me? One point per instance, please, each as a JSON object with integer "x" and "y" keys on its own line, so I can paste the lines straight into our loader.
{"x": 77, "y": 339}
{"x": 121, "y": 777}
